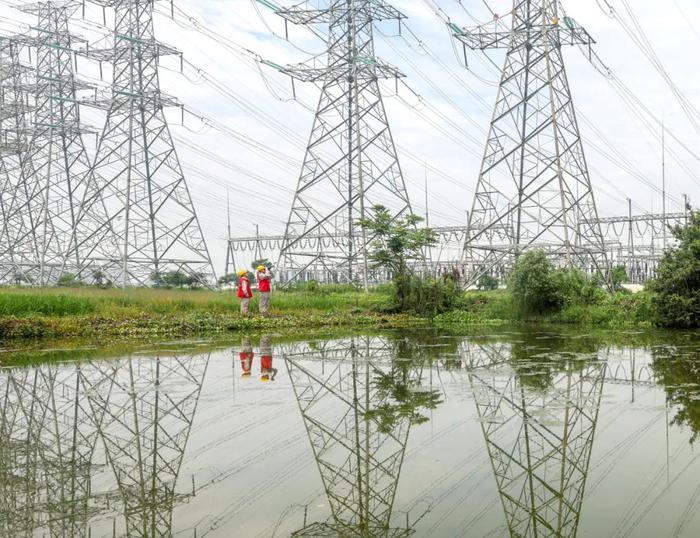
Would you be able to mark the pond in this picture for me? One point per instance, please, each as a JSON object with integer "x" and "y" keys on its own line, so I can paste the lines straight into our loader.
{"x": 528, "y": 433}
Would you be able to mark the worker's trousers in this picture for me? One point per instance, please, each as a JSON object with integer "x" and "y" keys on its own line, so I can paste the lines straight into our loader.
{"x": 264, "y": 302}
{"x": 245, "y": 306}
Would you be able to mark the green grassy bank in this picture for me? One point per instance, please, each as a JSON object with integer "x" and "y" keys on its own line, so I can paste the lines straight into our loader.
{"x": 90, "y": 312}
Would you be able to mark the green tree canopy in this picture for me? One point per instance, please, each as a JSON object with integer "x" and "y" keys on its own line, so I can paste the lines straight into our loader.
{"x": 676, "y": 289}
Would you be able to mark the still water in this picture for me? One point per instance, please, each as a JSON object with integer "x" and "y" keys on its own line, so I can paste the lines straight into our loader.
{"x": 518, "y": 433}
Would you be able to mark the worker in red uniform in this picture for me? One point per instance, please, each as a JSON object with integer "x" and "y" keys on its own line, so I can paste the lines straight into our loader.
{"x": 244, "y": 291}
{"x": 267, "y": 372}
{"x": 247, "y": 357}
{"x": 263, "y": 275}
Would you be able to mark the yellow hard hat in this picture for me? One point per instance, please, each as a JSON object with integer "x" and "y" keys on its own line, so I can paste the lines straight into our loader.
{"x": 242, "y": 272}
{"x": 264, "y": 378}
{"x": 261, "y": 267}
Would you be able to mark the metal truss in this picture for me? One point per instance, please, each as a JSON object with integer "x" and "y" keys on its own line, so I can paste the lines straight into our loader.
{"x": 14, "y": 133}
{"x": 359, "y": 457}
{"x": 638, "y": 242}
{"x": 350, "y": 163}
{"x": 539, "y": 440}
{"x": 147, "y": 407}
{"x": 534, "y": 186}
{"x": 137, "y": 174}
{"x": 639, "y": 251}
{"x": 54, "y": 166}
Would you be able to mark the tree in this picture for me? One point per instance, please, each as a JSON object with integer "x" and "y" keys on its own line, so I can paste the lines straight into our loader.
{"x": 676, "y": 289}
{"x": 533, "y": 284}
{"x": 178, "y": 279}
{"x": 487, "y": 282}
{"x": 397, "y": 241}
{"x": 618, "y": 277}
{"x": 264, "y": 262}
{"x": 68, "y": 280}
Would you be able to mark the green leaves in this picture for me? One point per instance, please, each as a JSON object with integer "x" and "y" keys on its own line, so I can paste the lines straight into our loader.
{"x": 676, "y": 289}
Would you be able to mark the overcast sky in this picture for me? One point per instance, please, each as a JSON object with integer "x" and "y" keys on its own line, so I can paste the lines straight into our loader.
{"x": 255, "y": 148}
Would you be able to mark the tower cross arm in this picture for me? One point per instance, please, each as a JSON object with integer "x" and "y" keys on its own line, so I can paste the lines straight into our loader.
{"x": 367, "y": 69}
{"x": 376, "y": 10}
{"x": 562, "y": 32}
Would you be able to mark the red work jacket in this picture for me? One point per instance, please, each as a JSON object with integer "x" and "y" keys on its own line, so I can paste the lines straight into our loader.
{"x": 244, "y": 288}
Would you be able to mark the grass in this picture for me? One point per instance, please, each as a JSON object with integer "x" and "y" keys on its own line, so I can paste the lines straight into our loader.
{"x": 144, "y": 313}
{"x": 62, "y": 312}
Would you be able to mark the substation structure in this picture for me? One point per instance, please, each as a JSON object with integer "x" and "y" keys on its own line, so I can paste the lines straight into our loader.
{"x": 635, "y": 242}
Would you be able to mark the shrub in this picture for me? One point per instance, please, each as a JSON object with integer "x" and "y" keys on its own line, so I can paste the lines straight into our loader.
{"x": 533, "y": 285}
{"x": 676, "y": 289}
{"x": 577, "y": 288}
{"x": 487, "y": 282}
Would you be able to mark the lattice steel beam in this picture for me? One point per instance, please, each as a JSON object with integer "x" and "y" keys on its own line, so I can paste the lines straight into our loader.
{"x": 351, "y": 162}
{"x": 534, "y": 185}
{"x": 150, "y": 211}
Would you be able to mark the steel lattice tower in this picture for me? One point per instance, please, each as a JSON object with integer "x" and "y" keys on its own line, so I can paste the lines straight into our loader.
{"x": 14, "y": 81}
{"x": 534, "y": 188}
{"x": 350, "y": 163}
{"x": 147, "y": 406}
{"x": 358, "y": 459}
{"x": 150, "y": 209}
{"x": 54, "y": 167}
{"x": 539, "y": 442}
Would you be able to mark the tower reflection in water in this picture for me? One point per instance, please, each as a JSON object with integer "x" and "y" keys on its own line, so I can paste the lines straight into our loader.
{"x": 358, "y": 402}
{"x": 538, "y": 414}
{"x": 54, "y": 419}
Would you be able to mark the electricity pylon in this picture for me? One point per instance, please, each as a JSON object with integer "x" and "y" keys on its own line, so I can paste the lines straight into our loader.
{"x": 350, "y": 163}
{"x": 137, "y": 173}
{"x": 147, "y": 407}
{"x": 54, "y": 167}
{"x": 539, "y": 440}
{"x": 359, "y": 457}
{"x": 534, "y": 188}
{"x": 14, "y": 132}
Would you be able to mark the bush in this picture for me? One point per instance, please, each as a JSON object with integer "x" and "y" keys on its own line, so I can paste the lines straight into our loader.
{"x": 487, "y": 282}
{"x": 426, "y": 296}
{"x": 577, "y": 288}
{"x": 676, "y": 289}
{"x": 533, "y": 285}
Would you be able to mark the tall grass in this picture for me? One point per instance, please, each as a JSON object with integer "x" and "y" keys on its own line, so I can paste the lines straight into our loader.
{"x": 27, "y": 304}
{"x": 133, "y": 302}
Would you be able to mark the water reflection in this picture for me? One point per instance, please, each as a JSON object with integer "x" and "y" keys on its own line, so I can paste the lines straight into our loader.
{"x": 358, "y": 402}
{"x": 678, "y": 369}
{"x": 521, "y": 434}
{"x": 146, "y": 411}
{"x": 52, "y": 418}
{"x": 538, "y": 415}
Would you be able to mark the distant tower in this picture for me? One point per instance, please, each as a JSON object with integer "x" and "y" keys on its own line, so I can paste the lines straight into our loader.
{"x": 539, "y": 439}
{"x": 359, "y": 457}
{"x": 351, "y": 162}
{"x": 534, "y": 189}
{"x": 138, "y": 175}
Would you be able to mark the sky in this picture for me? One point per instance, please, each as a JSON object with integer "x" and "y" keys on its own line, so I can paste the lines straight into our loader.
{"x": 244, "y": 134}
